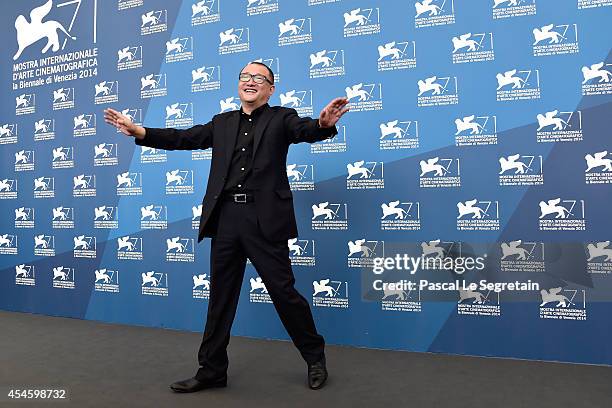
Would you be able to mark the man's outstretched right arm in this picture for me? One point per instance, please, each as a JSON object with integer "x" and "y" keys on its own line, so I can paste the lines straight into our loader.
{"x": 196, "y": 137}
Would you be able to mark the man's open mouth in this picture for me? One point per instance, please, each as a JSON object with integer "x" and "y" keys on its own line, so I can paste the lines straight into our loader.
{"x": 250, "y": 90}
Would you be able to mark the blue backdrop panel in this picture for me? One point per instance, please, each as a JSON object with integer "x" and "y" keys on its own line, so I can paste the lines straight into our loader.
{"x": 477, "y": 129}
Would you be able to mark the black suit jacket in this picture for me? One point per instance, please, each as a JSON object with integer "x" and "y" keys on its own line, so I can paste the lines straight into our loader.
{"x": 276, "y": 129}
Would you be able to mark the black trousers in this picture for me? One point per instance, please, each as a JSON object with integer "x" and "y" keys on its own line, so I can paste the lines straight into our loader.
{"x": 238, "y": 237}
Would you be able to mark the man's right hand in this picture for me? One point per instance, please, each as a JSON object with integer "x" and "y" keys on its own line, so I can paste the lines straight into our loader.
{"x": 123, "y": 123}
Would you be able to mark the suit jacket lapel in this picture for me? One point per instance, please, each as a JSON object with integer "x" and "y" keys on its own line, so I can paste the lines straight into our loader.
{"x": 230, "y": 136}
{"x": 262, "y": 123}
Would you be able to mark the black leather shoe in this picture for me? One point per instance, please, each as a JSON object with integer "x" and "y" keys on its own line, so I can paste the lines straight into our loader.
{"x": 193, "y": 385}
{"x": 317, "y": 374}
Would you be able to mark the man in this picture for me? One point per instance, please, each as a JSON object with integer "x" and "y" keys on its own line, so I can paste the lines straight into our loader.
{"x": 248, "y": 212}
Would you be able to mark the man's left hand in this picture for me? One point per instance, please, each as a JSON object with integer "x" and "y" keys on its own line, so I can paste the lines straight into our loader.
{"x": 333, "y": 112}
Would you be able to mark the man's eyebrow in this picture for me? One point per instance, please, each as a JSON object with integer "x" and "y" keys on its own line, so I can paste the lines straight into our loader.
{"x": 257, "y": 73}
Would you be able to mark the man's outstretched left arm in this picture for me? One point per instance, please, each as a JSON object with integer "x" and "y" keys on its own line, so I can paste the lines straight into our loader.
{"x": 314, "y": 130}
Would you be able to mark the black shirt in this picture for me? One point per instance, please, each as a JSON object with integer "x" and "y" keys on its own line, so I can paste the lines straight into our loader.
{"x": 241, "y": 163}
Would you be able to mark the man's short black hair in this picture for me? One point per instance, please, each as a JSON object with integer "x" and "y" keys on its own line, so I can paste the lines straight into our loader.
{"x": 263, "y": 65}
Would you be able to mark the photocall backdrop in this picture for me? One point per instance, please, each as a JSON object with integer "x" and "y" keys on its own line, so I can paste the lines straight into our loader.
{"x": 478, "y": 129}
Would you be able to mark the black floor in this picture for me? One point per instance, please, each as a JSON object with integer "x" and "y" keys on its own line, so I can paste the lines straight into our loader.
{"x": 104, "y": 365}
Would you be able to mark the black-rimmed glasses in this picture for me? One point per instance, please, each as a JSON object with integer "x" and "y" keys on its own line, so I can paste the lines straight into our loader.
{"x": 257, "y": 78}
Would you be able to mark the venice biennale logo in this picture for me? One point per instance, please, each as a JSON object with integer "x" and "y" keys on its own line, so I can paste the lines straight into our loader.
{"x": 31, "y": 32}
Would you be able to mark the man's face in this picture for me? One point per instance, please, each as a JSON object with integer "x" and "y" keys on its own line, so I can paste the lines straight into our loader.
{"x": 252, "y": 92}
